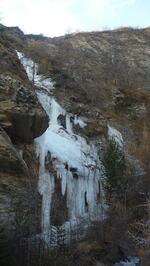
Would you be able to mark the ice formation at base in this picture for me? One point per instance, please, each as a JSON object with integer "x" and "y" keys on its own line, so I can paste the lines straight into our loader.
{"x": 75, "y": 162}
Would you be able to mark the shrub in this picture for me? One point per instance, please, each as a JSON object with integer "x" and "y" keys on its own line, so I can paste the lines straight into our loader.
{"x": 115, "y": 170}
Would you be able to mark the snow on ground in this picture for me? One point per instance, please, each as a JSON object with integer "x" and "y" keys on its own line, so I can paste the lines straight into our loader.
{"x": 116, "y": 135}
{"x": 134, "y": 261}
{"x": 79, "y": 121}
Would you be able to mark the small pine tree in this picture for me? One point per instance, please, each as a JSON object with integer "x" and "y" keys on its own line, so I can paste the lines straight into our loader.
{"x": 115, "y": 170}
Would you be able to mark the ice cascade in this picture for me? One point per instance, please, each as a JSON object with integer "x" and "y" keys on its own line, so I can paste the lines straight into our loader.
{"x": 74, "y": 160}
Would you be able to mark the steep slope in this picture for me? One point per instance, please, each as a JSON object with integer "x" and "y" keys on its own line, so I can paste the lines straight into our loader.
{"x": 101, "y": 78}
{"x": 104, "y": 78}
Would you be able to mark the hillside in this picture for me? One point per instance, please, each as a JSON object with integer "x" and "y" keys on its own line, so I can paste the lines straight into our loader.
{"x": 103, "y": 75}
{"x": 102, "y": 93}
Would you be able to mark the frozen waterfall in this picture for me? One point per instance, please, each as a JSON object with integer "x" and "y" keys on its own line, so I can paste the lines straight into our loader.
{"x": 76, "y": 163}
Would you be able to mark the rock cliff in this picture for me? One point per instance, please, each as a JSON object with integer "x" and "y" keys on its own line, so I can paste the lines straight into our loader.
{"x": 22, "y": 118}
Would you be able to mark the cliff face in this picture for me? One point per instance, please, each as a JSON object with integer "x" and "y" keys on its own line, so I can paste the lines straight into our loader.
{"x": 20, "y": 202}
{"x": 21, "y": 120}
{"x": 103, "y": 77}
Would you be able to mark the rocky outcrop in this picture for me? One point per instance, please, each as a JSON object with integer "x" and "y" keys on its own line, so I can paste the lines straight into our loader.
{"x": 22, "y": 119}
{"x": 21, "y": 114}
{"x": 12, "y": 32}
{"x": 10, "y": 159}
{"x": 18, "y": 194}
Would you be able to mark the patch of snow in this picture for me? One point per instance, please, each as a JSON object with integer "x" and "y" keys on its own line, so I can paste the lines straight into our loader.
{"x": 79, "y": 121}
{"x": 20, "y": 151}
{"x": 134, "y": 261}
{"x": 113, "y": 133}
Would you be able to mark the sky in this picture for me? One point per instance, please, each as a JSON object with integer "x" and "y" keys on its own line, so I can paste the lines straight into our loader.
{"x": 58, "y": 17}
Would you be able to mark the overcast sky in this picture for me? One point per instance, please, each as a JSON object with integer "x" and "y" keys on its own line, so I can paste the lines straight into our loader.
{"x": 57, "y": 17}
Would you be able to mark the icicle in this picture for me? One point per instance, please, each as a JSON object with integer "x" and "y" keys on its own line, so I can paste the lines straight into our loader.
{"x": 68, "y": 124}
{"x": 46, "y": 189}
